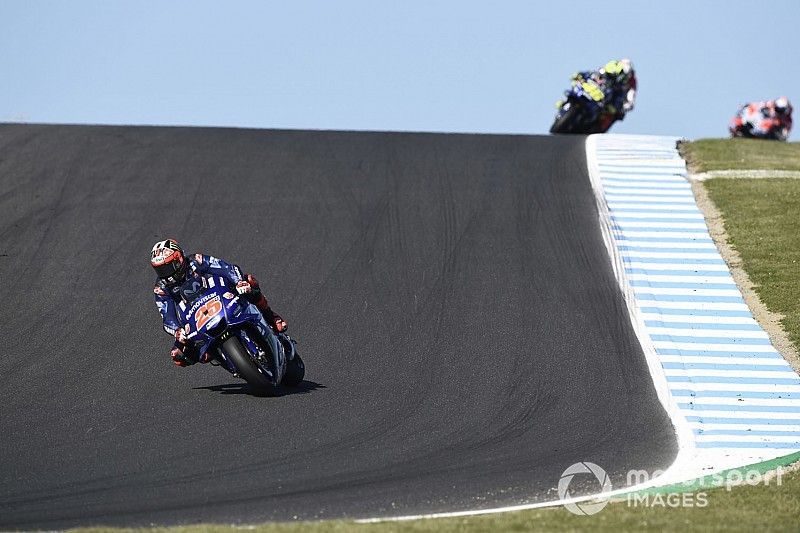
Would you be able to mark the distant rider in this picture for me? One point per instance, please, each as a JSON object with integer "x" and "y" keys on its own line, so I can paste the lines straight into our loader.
{"x": 776, "y": 116}
{"x": 173, "y": 267}
{"x": 618, "y": 78}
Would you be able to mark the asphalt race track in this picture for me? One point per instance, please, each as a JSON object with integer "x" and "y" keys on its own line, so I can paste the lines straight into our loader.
{"x": 464, "y": 336}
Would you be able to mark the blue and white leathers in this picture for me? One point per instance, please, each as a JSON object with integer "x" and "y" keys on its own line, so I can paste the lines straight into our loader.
{"x": 167, "y": 296}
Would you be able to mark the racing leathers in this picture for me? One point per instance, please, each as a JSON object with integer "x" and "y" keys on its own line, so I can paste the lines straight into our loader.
{"x": 771, "y": 119}
{"x": 620, "y": 96}
{"x": 167, "y": 296}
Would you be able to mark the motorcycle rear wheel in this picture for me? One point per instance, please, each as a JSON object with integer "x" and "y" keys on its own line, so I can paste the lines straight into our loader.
{"x": 295, "y": 371}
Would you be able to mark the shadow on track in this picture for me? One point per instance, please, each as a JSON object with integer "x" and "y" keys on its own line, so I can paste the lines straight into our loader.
{"x": 243, "y": 388}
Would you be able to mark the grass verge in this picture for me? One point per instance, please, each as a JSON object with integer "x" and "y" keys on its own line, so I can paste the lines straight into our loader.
{"x": 762, "y": 220}
{"x": 741, "y": 154}
{"x": 769, "y": 507}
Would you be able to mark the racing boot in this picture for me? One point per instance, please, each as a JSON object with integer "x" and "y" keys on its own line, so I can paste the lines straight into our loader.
{"x": 278, "y": 325}
{"x": 273, "y": 318}
{"x": 257, "y": 298}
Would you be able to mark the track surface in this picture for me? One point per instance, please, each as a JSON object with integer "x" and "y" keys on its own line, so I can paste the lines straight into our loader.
{"x": 464, "y": 336}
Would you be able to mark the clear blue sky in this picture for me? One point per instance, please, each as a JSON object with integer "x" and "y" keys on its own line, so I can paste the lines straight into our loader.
{"x": 457, "y": 65}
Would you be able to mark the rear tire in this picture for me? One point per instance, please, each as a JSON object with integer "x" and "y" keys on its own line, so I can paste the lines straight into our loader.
{"x": 295, "y": 371}
{"x": 238, "y": 355}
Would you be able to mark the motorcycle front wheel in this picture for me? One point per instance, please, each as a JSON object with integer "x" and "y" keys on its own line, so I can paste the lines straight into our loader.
{"x": 247, "y": 369}
{"x": 566, "y": 123}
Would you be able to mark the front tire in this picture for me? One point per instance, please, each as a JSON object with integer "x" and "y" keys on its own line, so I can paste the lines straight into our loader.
{"x": 247, "y": 369}
{"x": 567, "y": 122}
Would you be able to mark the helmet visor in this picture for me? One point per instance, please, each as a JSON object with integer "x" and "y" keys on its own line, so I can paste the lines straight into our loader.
{"x": 168, "y": 269}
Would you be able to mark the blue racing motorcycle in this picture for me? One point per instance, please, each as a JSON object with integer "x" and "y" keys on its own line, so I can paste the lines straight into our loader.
{"x": 231, "y": 332}
{"x": 582, "y": 111}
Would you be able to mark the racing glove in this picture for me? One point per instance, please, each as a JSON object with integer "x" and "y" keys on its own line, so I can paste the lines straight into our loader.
{"x": 180, "y": 336}
{"x": 244, "y": 287}
{"x": 180, "y": 358}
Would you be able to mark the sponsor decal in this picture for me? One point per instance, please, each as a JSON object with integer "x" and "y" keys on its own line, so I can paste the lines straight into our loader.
{"x": 229, "y": 295}
{"x": 160, "y": 257}
{"x": 202, "y": 300}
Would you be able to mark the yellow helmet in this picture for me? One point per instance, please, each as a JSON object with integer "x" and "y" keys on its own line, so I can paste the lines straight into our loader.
{"x": 619, "y": 71}
{"x": 612, "y": 68}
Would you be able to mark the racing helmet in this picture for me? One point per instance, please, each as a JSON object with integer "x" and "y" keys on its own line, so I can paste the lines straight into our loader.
{"x": 618, "y": 71}
{"x": 782, "y": 106}
{"x": 169, "y": 261}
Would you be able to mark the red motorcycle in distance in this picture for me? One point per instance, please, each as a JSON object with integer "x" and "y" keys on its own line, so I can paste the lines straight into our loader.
{"x": 763, "y": 120}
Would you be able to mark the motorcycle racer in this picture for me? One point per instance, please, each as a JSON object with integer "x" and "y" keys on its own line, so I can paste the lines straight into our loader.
{"x": 771, "y": 119}
{"x": 618, "y": 77}
{"x": 173, "y": 267}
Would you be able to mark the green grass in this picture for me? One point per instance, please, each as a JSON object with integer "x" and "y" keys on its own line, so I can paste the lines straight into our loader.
{"x": 741, "y": 154}
{"x": 762, "y": 218}
{"x": 743, "y": 508}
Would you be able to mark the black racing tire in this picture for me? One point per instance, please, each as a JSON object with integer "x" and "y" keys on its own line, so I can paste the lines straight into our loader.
{"x": 566, "y": 123}
{"x": 237, "y": 354}
{"x": 774, "y": 134}
{"x": 295, "y": 371}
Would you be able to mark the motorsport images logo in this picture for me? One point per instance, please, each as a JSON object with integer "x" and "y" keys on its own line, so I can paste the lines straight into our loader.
{"x": 588, "y": 507}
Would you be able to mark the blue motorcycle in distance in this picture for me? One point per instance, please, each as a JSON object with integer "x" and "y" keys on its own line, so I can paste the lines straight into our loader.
{"x": 582, "y": 111}
{"x": 232, "y": 333}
